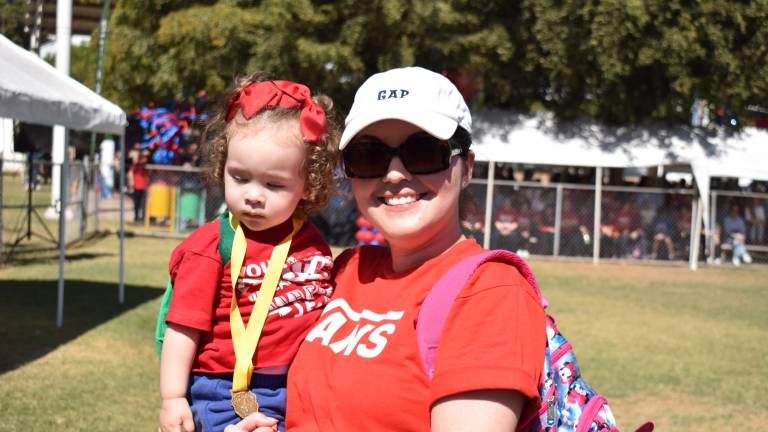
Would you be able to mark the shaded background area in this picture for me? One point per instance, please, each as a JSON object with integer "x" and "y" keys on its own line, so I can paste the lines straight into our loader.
{"x": 28, "y": 308}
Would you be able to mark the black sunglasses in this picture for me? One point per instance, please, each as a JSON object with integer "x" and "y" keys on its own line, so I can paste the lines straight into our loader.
{"x": 420, "y": 153}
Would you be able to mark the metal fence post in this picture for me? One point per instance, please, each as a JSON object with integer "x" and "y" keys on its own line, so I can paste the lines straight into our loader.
{"x": 558, "y": 215}
{"x": 83, "y": 198}
{"x": 489, "y": 204}
{"x": 97, "y": 192}
{"x": 712, "y": 224}
{"x": 30, "y": 182}
{"x": 598, "y": 205}
{"x": 693, "y": 259}
{"x": 64, "y": 184}
{"x": 708, "y": 229}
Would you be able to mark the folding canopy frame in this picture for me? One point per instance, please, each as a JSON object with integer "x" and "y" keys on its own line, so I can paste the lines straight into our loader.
{"x": 506, "y": 137}
{"x": 33, "y": 91}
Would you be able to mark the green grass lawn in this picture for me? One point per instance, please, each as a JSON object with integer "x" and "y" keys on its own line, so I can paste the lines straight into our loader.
{"x": 682, "y": 348}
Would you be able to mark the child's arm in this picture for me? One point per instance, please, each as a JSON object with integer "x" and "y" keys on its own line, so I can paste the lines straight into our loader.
{"x": 179, "y": 349}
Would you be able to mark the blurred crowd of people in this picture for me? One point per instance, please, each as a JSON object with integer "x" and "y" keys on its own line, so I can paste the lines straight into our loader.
{"x": 650, "y": 221}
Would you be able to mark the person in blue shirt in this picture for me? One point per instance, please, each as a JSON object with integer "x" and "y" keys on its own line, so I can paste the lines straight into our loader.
{"x": 735, "y": 231}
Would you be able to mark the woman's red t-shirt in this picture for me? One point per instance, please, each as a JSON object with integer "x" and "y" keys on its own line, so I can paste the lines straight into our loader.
{"x": 359, "y": 368}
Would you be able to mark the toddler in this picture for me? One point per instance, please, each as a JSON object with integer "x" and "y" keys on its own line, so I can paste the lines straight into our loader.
{"x": 273, "y": 150}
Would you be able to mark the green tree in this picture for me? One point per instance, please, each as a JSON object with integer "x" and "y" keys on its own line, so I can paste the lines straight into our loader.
{"x": 13, "y": 21}
{"x": 622, "y": 61}
{"x": 82, "y": 64}
{"x": 629, "y": 61}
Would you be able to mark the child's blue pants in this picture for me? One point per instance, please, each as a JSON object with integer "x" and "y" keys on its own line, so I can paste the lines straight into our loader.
{"x": 211, "y": 400}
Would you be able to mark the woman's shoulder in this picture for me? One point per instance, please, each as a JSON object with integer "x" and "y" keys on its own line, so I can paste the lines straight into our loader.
{"x": 501, "y": 277}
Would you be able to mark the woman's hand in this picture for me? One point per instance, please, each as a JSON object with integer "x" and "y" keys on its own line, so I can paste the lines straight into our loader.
{"x": 255, "y": 422}
{"x": 176, "y": 416}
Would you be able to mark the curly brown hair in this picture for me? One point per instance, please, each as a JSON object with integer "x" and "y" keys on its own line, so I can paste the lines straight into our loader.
{"x": 321, "y": 158}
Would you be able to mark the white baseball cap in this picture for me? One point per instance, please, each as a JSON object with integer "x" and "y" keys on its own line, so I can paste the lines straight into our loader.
{"x": 415, "y": 95}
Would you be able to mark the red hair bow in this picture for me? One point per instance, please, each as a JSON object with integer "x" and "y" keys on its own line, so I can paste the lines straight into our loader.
{"x": 253, "y": 98}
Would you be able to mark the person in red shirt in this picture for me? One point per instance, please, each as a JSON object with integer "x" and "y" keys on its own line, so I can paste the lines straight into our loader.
{"x": 574, "y": 233}
{"x": 525, "y": 230}
{"x": 139, "y": 182}
{"x": 545, "y": 226}
{"x": 473, "y": 222}
{"x": 505, "y": 224}
{"x": 629, "y": 231}
{"x": 406, "y": 150}
{"x": 273, "y": 151}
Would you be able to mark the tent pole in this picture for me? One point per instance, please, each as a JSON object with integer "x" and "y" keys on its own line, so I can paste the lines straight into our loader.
{"x": 598, "y": 207}
{"x": 558, "y": 216}
{"x": 489, "y": 204}
{"x": 2, "y": 156}
{"x": 695, "y": 233}
{"x": 121, "y": 277}
{"x": 98, "y": 191}
{"x": 63, "y": 206}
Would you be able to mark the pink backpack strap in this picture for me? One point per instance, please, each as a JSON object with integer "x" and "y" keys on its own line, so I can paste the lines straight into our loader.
{"x": 434, "y": 311}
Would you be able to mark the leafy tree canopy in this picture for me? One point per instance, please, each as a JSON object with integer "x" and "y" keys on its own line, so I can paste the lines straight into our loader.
{"x": 13, "y": 20}
{"x": 622, "y": 61}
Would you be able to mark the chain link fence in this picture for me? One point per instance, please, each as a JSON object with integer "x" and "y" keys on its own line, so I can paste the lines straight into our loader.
{"x": 635, "y": 223}
{"x": 530, "y": 218}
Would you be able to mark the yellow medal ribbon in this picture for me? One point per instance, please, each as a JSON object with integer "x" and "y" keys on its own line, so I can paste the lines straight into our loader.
{"x": 246, "y": 340}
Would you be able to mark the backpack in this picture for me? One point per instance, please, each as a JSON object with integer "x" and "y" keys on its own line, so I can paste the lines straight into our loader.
{"x": 226, "y": 235}
{"x": 568, "y": 403}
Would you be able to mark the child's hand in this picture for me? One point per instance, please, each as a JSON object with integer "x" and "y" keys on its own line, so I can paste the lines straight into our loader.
{"x": 176, "y": 416}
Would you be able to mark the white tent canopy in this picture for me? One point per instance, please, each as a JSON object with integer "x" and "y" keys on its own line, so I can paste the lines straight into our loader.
{"x": 501, "y": 136}
{"x": 744, "y": 155}
{"x": 506, "y": 137}
{"x": 33, "y": 91}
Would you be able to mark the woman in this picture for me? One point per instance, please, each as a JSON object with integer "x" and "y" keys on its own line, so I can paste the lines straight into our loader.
{"x": 406, "y": 151}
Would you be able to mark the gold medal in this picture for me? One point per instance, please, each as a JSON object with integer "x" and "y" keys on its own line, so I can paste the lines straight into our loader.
{"x": 244, "y": 403}
{"x": 245, "y": 339}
